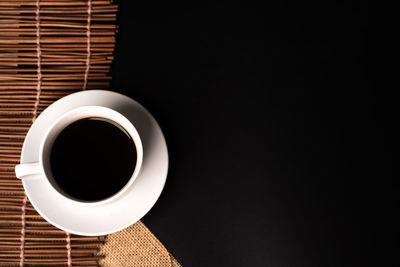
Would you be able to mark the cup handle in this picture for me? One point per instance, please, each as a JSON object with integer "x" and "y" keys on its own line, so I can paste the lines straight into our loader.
{"x": 30, "y": 170}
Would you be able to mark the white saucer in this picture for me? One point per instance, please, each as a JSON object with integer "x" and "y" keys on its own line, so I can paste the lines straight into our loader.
{"x": 76, "y": 218}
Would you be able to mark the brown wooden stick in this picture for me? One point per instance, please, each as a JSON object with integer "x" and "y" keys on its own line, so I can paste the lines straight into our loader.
{"x": 48, "y": 238}
{"x": 58, "y": 10}
{"x": 53, "y": 3}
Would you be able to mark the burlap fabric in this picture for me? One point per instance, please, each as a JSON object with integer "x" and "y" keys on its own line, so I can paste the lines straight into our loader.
{"x": 135, "y": 246}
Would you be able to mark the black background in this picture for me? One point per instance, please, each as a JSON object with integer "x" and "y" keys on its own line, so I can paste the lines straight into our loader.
{"x": 276, "y": 132}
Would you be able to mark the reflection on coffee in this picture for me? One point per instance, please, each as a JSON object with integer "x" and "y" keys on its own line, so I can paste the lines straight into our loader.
{"x": 92, "y": 159}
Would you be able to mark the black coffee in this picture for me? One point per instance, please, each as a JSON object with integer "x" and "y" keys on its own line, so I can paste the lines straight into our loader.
{"x": 92, "y": 159}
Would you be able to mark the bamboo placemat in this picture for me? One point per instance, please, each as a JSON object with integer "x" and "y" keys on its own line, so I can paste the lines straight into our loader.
{"x": 48, "y": 49}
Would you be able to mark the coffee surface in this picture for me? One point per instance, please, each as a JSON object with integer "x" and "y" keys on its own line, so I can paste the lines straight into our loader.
{"x": 92, "y": 159}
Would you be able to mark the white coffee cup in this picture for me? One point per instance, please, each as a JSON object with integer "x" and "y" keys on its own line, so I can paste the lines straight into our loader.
{"x": 123, "y": 208}
{"x": 42, "y": 169}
